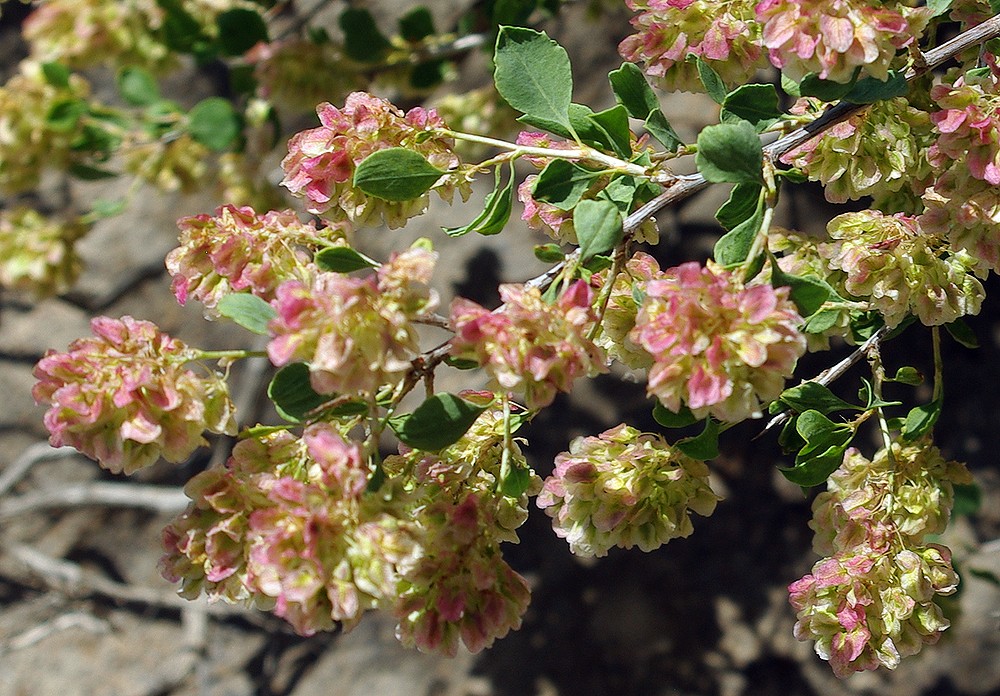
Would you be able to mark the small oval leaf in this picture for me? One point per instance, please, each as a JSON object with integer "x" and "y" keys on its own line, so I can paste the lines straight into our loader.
{"x": 396, "y": 174}
{"x": 249, "y": 311}
{"x": 292, "y": 394}
{"x": 598, "y": 227}
{"x": 438, "y": 422}
{"x": 342, "y": 260}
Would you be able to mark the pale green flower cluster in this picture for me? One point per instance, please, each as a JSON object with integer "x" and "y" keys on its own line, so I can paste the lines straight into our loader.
{"x": 31, "y": 139}
{"x": 624, "y": 488}
{"x": 876, "y": 152}
{"x": 901, "y": 269}
{"x": 38, "y": 254}
{"x": 871, "y": 602}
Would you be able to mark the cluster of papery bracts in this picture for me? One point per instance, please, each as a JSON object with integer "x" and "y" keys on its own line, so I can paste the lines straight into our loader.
{"x": 319, "y": 529}
{"x": 831, "y": 38}
{"x": 870, "y": 602}
{"x": 290, "y": 524}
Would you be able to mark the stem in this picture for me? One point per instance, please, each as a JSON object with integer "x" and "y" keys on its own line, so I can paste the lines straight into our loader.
{"x": 226, "y": 355}
{"x": 584, "y": 153}
{"x": 835, "y": 371}
{"x": 938, "y": 364}
{"x": 505, "y": 455}
{"x": 605, "y": 296}
{"x": 878, "y": 377}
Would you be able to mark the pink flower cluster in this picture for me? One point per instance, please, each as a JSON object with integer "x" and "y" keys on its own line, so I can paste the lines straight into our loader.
{"x": 357, "y": 334}
{"x": 871, "y": 602}
{"x": 717, "y": 346}
{"x": 285, "y": 526}
{"x": 833, "y": 38}
{"x": 966, "y": 211}
{"x": 288, "y": 525}
{"x": 460, "y": 589}
{"x": 624, "y": 488}
{"x": 320, "y": 163}
{"x": 528, "y": 345}
{"x": 239, "y": 250}
{"x": 968, "y": 125}
{"x": 725, "y": 35}
{"x": 901, "y": 268}
{"x": 125, "y": 397}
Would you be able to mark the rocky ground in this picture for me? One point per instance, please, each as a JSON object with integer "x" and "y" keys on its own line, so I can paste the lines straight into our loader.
{"x": 83, "y": 611}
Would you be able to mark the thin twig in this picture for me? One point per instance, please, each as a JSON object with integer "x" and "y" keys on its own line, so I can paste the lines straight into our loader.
{"x": 33, "y": 454}
{"x": 835, "y": 371}
{"x": 127, "y": 495}
{"x": 73, "y": 580}
{"x": 64, "y": 622}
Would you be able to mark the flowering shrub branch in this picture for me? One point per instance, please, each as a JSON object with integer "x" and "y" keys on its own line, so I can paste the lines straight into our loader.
{"x": 310, "y": 519}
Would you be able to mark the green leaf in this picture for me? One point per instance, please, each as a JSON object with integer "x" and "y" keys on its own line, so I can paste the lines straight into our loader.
{"x": 816, "y": 397}
{"x": 823, "y": 452}
{"x": 249, "y": 311}
{"x": 513, "y": 12}
{"x": 939, "y": 7}
{"x": 809, "y": 293}
{"x": 396, "y": 174}
{"x": 613, "y": 123}
{"x": 515, "y": 481}
{"x": 239, "y": 30}
{"x": 962, "y": 333}
{"x": 704, "y": 446}
{"x": 821, "y": 321}
{"x": 180, "y": 30}
{"x": 438, "y": 422}
{"x": 533, "y": 74}
{"x": 102, "y": 208}
{"x": 714, "y": 85}
{"x": 363, "y": 41}
{"x": 549, "y": 253}
{"x": 968, "y": 499}
{"x": 730, "y": 152}
{"x": 496, "y": 212}
{"x": 757, "y": 104}
{"x": 660, "y": 128}
{"x": 920, "y": 420}
{"x": 867, "y": 394}
{"x": 598, "y": 227}
{"x": 428, "y": 74}
{"x": 292, "y": 392}
{"x": 734, "y": 246}
{"x": 342, "y": 260}
{"x": 669, "y": 419}
{"x": 790, "y": 86}
{"x": 562, "y": 183}
{"x": 416, "y": 24}
{"x": 743, "y": 202}
{"x": 85, "y": 172}
{"x": 864, "y": 325}
{"x": 869, "y": 90}
{"x": 461, "y": 363}
{"x": 56, "y": 74}
{"x": 634, "y": 93}
{"x": 64, "y": 115}
{"x": 826, "y": 90}
{"x": 214, "y": 123}
{"x": 908, "y": 375}
{"x": 137, "y": 86}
